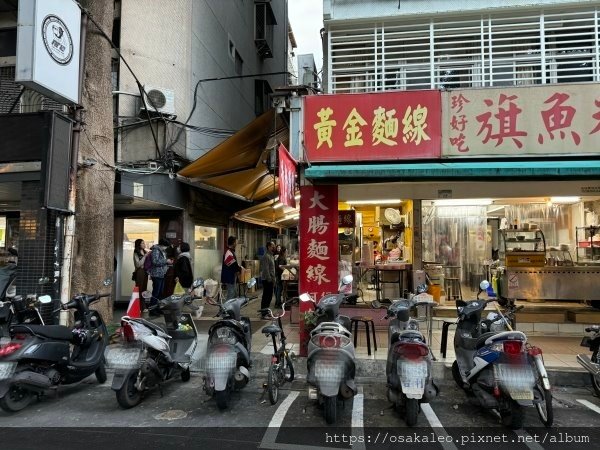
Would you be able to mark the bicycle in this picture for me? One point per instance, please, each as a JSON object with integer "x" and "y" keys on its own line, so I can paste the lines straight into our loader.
{"x": 281, "y": 369}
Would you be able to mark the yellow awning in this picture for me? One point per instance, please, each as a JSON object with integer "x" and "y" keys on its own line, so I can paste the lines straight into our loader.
{"x": 237, "y": 165}
{"x": 271, "y": 214}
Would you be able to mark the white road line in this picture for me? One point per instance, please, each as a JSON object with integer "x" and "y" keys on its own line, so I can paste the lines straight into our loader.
{"x": 589, "y": 405}
{"x": 438, "y": 429}
{"x": 528, "y": 440}
{"x": 357, "y": 420}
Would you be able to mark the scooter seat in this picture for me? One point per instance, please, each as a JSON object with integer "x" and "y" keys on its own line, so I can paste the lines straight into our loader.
{"x": 58, "y": 332}
{"x": 271, "y": 329}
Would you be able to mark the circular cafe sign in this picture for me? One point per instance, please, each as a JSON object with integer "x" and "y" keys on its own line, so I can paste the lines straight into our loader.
{"x": 57, "y": 39}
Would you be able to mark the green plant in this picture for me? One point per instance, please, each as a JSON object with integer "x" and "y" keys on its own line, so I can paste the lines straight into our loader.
{"x": 310, "y": 319}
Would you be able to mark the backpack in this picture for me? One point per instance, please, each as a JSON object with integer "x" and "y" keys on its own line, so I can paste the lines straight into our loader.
{"x": 148, "y": 263}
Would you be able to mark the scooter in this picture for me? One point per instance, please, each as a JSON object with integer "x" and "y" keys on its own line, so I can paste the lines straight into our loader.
{"x": 24, "y": 310}
{"x": 331, "y": 359}
{"x": 8, "y": 274}
{"x": 409, "y": 361}
{"x": 500, "y": 369}
{"x": 228, "y": 351}
{"x": 43, "y": 357}
{"x": 153, "y": 355}
{"x": 592, "y": 365}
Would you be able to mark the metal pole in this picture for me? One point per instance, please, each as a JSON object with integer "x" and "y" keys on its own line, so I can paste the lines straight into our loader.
{"x": 65, "y": 285}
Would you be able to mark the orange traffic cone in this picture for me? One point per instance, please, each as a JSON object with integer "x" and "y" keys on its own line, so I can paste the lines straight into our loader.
{"x": 134, "y": 310}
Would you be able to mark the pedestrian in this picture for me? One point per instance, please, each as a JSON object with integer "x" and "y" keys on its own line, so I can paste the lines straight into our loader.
{"x": 158, "y": 271}
{"x": 139, "y": 274}
{"x": 230, "y": 268}
{"x": 183, "y": 267}
{"x": 281, "y": 261}
{"x": 267, "y": 273}
{"x": 169, "y": 284}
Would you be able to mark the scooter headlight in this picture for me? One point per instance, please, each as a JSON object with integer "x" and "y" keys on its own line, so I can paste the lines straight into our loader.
{"x": 223, "y": 335}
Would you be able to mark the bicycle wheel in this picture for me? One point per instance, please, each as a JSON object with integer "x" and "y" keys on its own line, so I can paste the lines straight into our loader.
{"x": 288, "y": 368}
{"x": 272, "y": 384}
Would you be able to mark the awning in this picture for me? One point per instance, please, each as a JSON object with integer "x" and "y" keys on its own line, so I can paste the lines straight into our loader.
{"x": 495, "y": 170}
{"x": 237, "y": 165}
{"x": 271, "y": 214}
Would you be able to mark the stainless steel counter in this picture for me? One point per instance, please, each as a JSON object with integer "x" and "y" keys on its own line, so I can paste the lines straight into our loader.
{"x": 552, "y": 283}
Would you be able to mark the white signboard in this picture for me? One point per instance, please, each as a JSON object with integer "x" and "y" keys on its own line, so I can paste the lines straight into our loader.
{"x": 48, "y": 40}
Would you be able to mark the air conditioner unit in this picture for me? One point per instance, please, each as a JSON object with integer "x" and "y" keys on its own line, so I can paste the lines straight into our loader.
{"x": 159, "y": 99}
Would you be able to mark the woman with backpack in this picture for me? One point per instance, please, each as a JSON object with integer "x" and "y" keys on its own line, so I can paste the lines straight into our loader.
{"x": 158, "y": 268}
{"x": 139, "y": 274}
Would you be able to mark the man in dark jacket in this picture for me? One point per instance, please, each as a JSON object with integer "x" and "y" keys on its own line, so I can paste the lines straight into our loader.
{"x": 183, "y": 267}
{"x": 158, "y": 271}
{"x": 267, "y": 273}
{"x": 230, "y": 268}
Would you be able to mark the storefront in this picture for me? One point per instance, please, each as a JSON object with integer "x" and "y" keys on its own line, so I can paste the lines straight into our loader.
{"x": 446, "y": 174}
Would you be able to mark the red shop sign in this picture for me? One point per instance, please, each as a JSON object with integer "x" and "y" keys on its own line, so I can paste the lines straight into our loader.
{"x": 287, "y": 178}
{"x": 318, "y": 240}
{"x": 347, "y": 218}
{"x": 373, "y": 127}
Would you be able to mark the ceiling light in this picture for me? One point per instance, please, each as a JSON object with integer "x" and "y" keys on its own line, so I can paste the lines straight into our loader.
{"x": 496, "y": 208}
{"x": 373, "y": 202}
{"x": 565, "y": 199}
{"x": 464, "y": 202}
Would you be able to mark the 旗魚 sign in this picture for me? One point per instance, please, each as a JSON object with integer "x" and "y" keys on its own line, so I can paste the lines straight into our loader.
{"x": 372, "y": 127}
{"x": 556, "y": 119}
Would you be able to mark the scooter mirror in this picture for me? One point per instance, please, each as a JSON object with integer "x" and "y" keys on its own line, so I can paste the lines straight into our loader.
{"x": 197, "y": 283}
{"x": 484, "y": 285}
{"x": 347, "y": 280}
{"x": 375, "y": 304}
{"x": 305, "y": 298}
{"x": 251, "y": 283}
{"x": 107, "y": 282}
{"x": 147, "y": 294}
{"x": 45, "y": 299}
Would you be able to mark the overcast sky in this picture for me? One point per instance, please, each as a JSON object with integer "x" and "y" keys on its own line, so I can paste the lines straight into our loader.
{"x": 306, "y": 18}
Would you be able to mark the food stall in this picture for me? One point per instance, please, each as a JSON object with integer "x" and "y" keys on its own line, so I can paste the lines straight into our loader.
{"x": 533, "y": 272}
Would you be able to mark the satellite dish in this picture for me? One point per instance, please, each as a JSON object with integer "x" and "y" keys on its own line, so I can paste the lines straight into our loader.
{"x": 393, "y": 216}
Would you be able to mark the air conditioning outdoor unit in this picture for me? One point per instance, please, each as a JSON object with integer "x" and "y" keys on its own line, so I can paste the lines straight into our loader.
{"x": 159, "y": 99}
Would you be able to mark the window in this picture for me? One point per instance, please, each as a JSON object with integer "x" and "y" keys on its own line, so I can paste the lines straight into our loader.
{"x": 208, "y": 249}
{"x": 264, "y": 23}
{"x": 8, "y": 42}
{"x": 262, "y": 89}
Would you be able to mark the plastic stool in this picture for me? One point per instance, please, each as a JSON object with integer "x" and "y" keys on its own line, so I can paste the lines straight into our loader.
{"x": 354, "y": 321}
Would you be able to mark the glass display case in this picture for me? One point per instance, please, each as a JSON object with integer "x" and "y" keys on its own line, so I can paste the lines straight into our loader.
{"x": 523, "y": 247}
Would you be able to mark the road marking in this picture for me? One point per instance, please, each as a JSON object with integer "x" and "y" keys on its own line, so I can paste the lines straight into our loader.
{"x": 438, "y": 429}
{"x": 357, "y": 420}
{"x": 589, "y": 405}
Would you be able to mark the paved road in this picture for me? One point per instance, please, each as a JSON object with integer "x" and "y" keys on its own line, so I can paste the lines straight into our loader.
{"x": 185, "y": 416}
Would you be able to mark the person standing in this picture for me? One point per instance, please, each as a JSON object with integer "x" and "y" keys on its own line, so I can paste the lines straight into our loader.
{"x": 230, "y": 268}
{"x": 169, "y": 283}
{"x": 139, "y": 256}
{"x": 267, "y": 273}
{"x": 183, "y": 267}
{"x": 281, "y": 261}
{"x": 157, "y": 272}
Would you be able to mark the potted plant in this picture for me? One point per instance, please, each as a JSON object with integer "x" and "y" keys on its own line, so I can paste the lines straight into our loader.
{"x": 308, "y": 323}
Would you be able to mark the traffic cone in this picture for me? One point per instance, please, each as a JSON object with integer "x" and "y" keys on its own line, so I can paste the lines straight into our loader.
{"x": 134, "y": 310}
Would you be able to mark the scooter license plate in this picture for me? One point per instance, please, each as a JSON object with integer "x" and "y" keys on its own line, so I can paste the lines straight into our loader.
{"x": 123, "y": 358}
{"x": 412, "y": 376}
{"x": 518, "y": 380}
{"x": 221, "y": 361}
{"x": 328, "y": 371}
{"x": 7, "y": 369}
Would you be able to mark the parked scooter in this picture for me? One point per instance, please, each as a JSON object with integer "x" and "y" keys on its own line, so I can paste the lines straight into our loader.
{"x": 331, "y": 359}
{"x": 23, "y": 310}
{"x": 228, "y": 352}
{"x": 592, "y": 365}
{"x": 43, "y": 357}
{"x": 8, "y": 274}
{"x": 409, "y": 361}
{"x": 500, "y": 369}
{"x": 152, "y": 354}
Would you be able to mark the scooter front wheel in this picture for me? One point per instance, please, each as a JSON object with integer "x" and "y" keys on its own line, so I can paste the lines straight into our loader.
{"x": 16, "y": 399}
{"x": 544, "y": 409}
{"x": 101, "y": 373}
{"x": 330, "y": 407}
{"x": 596, "y": 378}
{"x": 128, "y": 396}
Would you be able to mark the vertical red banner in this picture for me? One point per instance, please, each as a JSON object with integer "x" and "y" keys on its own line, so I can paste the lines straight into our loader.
{"x": 318, "y": 245}
{"x": 287, "y": 178}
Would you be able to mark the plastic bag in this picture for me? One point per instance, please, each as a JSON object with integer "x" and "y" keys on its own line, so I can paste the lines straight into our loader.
{"x": 210, "y": 288}
{"x": 179, "y": 290}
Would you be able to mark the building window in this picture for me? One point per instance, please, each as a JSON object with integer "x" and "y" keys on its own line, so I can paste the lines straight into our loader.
{"x": 208, "y": 250}
{"x": 262, "y": 90}
{"x": 8, "y": 42}
{"x": 264, "y": 24}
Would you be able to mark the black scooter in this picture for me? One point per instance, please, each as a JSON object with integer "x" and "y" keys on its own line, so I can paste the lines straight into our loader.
{"x": 43, "y": 357}
{"x": 592, "y": 365}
